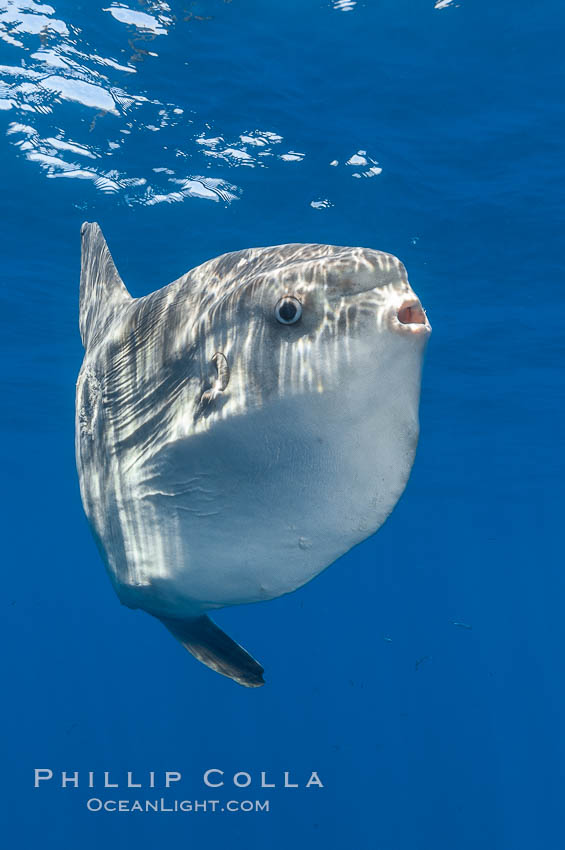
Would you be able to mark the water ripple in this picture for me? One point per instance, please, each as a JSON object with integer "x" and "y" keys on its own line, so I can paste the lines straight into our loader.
{"x": 344, "y": 5}
{"x": 80, "y": 112}
{"x": 152, "y": 23}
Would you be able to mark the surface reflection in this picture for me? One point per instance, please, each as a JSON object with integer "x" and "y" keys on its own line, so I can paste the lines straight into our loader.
{"x": 344, "y": 5}
{"x": 89, "y": 105}
{"x": 156, "y": 23}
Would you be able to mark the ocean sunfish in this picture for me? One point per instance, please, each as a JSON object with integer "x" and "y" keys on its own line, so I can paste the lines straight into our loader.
{"x": 242, "y": 428}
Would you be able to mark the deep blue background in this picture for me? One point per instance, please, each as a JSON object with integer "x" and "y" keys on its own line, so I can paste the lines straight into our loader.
{"x": 426, "y": 734}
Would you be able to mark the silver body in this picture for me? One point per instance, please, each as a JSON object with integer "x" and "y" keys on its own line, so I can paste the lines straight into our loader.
{"x": 304, "y": 453}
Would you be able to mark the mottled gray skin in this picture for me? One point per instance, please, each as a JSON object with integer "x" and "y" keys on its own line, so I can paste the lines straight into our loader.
{"x": 212, "y": 482}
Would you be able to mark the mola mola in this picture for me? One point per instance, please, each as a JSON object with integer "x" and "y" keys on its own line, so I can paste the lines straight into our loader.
{"x": 240, "y": 429}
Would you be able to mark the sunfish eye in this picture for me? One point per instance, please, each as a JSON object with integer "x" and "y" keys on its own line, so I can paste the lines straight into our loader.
{"x": 288, "y": 310}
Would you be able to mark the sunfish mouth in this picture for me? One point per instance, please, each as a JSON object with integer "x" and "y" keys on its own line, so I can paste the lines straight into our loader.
{"x": 410, "y": 318}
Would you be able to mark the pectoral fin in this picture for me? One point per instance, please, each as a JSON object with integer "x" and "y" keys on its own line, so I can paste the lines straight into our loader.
{"x": 210, "y": 645}
{"x": 221, "y": 381}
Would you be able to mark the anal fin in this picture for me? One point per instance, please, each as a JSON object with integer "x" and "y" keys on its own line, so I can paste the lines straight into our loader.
{"x": 210, "y": 645}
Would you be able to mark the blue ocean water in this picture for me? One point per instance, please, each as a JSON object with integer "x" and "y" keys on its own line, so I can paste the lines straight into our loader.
{"x": 421, "y": 676}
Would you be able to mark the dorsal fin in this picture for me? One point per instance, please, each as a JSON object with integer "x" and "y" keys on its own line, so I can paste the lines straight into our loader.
{"x": 101, "y": 287}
